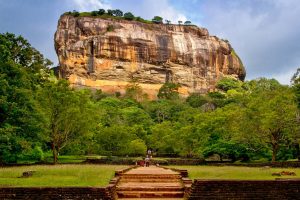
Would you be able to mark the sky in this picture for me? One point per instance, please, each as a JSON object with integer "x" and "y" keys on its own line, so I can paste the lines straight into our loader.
{"x": 264, "y": 33}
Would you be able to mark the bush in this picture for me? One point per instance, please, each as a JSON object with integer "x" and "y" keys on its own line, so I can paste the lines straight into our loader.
{"x": 128, "y": 16}
{"x": 227, "y": 83}
{"x": 101, "y": 12}
{"x": 187, "y": 23}
{"x": 196, "y": 100}
{"x": 75, "y": 13}
{"x": 118, "y": 13}
{"x": 110, "y": 12}
{"x": 137, "y": 147}
{"x": 157, "y": 20}
{"x": 110, "y": 28}
{"x": 94, "y": 13}
{"x": 168, "y": 91}
{"x": 35, "y": 154}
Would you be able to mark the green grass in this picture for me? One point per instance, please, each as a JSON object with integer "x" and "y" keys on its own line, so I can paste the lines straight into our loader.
{"x": 231, "y": 172}
{"x": 58, "y": 175}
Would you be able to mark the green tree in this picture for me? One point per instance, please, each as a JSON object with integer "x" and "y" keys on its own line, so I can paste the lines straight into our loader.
{"x": 101, "y": 12}
{"x": 296, "y": 85}
{"x": 187, "y": 23}
{"x": 134, "y": 91}
{"x": 94, "y": 13}
{"x": 168, "y": 21}
{"x": 228, "y": 83}
{"x": 75, "y": 13}
{"x": 271, "y": 111}
{"x": 137, "y": 147}
{"x": 162, "y": 138}
{"x": 110, "y": 12}
{"x": 296, "y": 88}
{"x": 157, "y": 20}
{"x": 197, "y": 100}
{"x": 169, "y": 91}
{"x": 22, "y": 70}
{"x": 128, "y": 16}
{"x": 113, "y": 140}
{"x": 136, "y": 116}
{"x": 118, "y": 13}
{"x": 67, "y": 114}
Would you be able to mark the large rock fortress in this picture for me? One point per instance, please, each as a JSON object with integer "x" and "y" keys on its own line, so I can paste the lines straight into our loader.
{"x": 108, "y": 54}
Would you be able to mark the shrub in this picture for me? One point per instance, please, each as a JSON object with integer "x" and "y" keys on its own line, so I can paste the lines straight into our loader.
{"x": 118, "y": 13}
{"x": 110, "y": 28}
{"x": 227, "y": 83}
{"x": 168, "y": 91}
{"x": 101, "y": 12}
{"x": 196, "y": 100}
{"x": 128, "y": 16}
{"x": 157, "y": 20}
{"x": 110, "y": 12}
{"x": 187, "y": 23}
{"x": 94, "y": 13}
{"x": 137, "y": 147}
{"x": 75, "y": 13}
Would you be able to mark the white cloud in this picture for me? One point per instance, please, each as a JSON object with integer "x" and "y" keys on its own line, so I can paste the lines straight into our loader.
{"x": 170, "y": 13}
{"x": 88, "y": 5}
{"x": 284, "y": 78}
{"x": 264, "y": 34}
{"x": 150, "y": 8}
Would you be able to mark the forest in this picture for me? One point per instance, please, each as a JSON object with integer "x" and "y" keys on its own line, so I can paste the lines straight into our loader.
{"x": 255, "y": 120}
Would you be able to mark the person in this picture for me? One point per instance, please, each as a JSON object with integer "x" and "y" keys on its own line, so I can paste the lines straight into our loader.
{"x": 149, "y": 152}
{"x": 147, "y": 161}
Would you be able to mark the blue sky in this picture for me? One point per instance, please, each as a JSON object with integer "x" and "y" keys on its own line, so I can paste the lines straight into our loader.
{"x": 265, "y": 33}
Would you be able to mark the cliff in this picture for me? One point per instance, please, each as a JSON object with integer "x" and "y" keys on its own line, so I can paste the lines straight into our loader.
{"x": 108, "y": 53}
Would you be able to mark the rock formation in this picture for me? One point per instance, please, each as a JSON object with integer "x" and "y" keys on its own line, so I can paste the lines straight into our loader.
{"x": 107, "y": 54}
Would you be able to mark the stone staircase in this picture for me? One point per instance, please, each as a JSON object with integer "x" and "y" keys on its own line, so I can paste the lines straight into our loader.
{"x": 150, "y": 183}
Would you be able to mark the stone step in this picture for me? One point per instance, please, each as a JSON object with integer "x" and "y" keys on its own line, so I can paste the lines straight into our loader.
{"x": 150, "y": 188}
{"x": 151, "y": 198}
{"x": 148, "y": 180}
{"x": 153, "y": 175}
{"x": 162, "y": 184}
{"x": 150, "y": 194}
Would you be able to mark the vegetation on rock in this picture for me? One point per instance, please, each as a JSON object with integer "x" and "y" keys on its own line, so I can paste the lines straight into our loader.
{"x": 118, "y": 14}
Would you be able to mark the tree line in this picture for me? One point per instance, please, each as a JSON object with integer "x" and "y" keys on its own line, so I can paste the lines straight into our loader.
{"x": 40, "y": 114}
{"x": 118, "y": 14}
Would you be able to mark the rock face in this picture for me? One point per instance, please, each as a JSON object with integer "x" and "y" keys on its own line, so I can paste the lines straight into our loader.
{"x": 108, "y": 54}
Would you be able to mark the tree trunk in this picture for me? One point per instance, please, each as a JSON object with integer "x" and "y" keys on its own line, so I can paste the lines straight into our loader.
{"x": 274, "y": 151}
{"x": 297, "y": 146}
{"x": 55, "y": 156}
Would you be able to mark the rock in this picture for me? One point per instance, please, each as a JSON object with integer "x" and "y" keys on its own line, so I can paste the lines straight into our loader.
{"x": 107, "y": 54}
{"x": 276, "y": 174}
{"x": 27, "y": 174}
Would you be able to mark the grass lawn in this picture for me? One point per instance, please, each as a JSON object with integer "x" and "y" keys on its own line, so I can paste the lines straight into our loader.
{"x": 58, "y": 175}
{"x": 231, "y": 172}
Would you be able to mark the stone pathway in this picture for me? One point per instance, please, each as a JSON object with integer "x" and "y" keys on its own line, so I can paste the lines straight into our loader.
{"x": 150, "y": 182}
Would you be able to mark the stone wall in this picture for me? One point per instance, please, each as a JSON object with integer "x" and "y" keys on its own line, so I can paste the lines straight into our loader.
{"x": 46, "y": 193}
{"x": 237, "y": 189}
{"x": 287, "y": 164}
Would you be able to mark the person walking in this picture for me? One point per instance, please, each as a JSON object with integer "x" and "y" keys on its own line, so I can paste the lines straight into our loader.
{"x": 147, "y": 161}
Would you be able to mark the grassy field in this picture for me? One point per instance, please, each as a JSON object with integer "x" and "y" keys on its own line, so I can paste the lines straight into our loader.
{"x": 59, "y": 175}
{"x": 231, "y": 172}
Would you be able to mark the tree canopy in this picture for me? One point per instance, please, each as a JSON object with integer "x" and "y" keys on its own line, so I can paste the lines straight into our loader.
{"x": 41, "y": 116}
